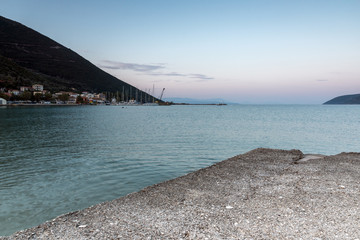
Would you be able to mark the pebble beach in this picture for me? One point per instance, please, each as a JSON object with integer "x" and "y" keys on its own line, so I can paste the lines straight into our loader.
{"x": 262, "y": 194}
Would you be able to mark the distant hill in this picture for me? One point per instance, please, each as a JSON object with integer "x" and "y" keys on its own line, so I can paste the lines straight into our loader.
{"x": 196, "y": 101}
{"x": 346, "y": 99}
{"x": 28, "y": 57}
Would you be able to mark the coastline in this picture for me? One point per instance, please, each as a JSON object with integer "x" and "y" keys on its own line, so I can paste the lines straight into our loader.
{"x": 264, "y": 193}
{"x": 37, "y": 105}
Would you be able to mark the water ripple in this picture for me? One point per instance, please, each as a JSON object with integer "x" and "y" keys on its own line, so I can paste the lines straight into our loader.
{"x": 54, "y": 159}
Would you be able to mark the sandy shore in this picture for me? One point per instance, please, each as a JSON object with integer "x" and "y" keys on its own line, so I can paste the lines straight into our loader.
{"x": 262, "y": 194}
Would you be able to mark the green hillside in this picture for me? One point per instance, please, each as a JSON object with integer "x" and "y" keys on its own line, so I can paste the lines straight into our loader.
{"x": 28, "y": 57}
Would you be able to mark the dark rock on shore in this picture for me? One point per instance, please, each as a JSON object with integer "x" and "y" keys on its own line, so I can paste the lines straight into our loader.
{"x": 261, "y": 194}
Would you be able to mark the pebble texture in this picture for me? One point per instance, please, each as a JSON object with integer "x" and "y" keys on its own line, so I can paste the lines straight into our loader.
{"x": 262, "y": 194}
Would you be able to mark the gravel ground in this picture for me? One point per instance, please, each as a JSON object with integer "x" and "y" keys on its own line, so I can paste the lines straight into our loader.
{"x": 262, "y": 194}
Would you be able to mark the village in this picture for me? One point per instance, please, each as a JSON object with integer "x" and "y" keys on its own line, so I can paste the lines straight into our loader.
{"x": 36, "y": 94}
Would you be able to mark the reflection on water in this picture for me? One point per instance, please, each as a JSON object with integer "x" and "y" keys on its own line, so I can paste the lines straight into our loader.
{"x": 58, "y": 159}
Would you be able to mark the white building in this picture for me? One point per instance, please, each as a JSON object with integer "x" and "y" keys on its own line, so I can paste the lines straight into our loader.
{"x": 2, "y": 101}
{"x": 14, "y": 91}
{"x": 38, "y": 87}
{"x": 23, "y": 89}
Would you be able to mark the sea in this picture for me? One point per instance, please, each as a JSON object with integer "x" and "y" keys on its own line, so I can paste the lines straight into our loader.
{"x": 58, "y": 159}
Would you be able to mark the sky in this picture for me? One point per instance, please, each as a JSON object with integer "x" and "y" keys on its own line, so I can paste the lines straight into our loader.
{"x": 249, "y": 51}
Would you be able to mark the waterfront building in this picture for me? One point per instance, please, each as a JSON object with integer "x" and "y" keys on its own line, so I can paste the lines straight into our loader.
{"x": 3, "y": 101}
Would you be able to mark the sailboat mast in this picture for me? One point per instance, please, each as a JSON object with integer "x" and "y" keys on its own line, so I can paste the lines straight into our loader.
{"x": 153, "y": 93}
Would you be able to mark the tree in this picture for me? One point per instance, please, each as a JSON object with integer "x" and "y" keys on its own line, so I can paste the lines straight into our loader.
{"x": 4, "y": 96}
{"x": 64, "y": 97}
{"x": 38, "y": 97}
{"x": 79, "y": 100}
{"x": 47, "y": 96}
{"x": 26, "y": 96}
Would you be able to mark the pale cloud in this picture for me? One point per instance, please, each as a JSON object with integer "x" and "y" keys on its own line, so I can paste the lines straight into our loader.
{"x": 151, "y": 70}
{"x": 200, "y": 76}
{"x": 337, "y": 73}
{"x": 171, "y": 74}
{"x": 130, "y": 66}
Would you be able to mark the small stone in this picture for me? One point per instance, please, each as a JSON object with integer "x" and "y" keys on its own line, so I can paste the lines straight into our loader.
{"x": 342, "y": 187}
{"x": 229, "y": 207}
{"x": 82, "y": 226}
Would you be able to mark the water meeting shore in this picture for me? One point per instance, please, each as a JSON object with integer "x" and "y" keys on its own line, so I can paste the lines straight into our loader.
{"x": 262, "y": 194}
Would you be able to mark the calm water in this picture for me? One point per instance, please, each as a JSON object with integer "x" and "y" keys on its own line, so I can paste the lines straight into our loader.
{"x": 59, "y": 159}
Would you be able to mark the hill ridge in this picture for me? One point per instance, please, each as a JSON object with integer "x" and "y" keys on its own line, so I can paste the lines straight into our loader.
{"x": 345, "y": 99}
{"x": 48, "y": 62}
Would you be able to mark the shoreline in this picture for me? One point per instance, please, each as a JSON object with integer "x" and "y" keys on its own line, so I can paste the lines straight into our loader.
{"x": 37, "y": 105}
{"x": 264, "y": 193}
{"x": 144, "y": 104}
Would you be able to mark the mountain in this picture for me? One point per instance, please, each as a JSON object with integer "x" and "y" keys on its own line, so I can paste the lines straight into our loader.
{"x": 196, "y": 101}
{"x": 28, "y": 57}
{"x": 346, "y": 99}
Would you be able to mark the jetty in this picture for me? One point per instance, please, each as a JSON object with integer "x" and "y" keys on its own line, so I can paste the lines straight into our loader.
{"x": 262, "y": 194}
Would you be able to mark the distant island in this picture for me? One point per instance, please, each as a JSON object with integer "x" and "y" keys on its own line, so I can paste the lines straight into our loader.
{"x": 345, "y": 99}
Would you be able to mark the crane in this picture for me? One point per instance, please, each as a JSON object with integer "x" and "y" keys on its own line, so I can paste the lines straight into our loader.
{"x": 162, "y": 93}
{"x": 162, "y": 103}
